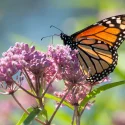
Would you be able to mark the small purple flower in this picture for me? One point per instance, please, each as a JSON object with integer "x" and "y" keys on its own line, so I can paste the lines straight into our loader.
{"x": 8, "y": 68}
{"x": 65, "y": 59}
{"x": 19, "y": 49}
{"x": 76, "y": 95}
{"x": 21, "y": 53}
{"x": 40, "y": 65}
{"x": 13, "y": 61}
{"x": 68, "y": 64}
{"x": 36, "y": 63}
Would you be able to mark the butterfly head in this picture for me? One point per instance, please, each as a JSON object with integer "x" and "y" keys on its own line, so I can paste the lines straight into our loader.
{"x": 66, "y": 39}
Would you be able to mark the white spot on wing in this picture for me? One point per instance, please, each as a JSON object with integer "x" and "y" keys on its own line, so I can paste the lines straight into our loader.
{"x": 120, "y": 38}
{"x": 118, "y": 21}
{"x": 113, "y": 17}
{"x": 108, "y": 22}
{"x": 111, "y": 25}
{"x": 122, "y": 26}
{"x": 105, "y": 20}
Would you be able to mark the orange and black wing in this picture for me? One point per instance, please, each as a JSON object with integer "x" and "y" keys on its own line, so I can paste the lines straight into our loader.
{"x": 110, "y": 30}
{"x": 98, "y": 44}
{"x": 97, "y": 58}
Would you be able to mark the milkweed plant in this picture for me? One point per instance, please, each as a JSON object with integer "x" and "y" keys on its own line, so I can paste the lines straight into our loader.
{"x": 22, "y": 65}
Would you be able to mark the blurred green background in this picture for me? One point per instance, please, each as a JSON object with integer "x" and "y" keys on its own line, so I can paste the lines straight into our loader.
{"x": 29, "y": 20}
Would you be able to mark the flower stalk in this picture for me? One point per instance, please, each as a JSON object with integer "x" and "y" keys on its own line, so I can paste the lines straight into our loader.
{"x": 58, "y": 107}
{"x": 25, "y": 109}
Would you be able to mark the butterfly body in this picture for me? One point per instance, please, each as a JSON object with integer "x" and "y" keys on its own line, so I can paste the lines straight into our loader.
{"x": 97, "y": 46}
{"x": 68, "y": 40}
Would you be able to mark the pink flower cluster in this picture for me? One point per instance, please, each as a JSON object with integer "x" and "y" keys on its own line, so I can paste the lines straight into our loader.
{"x": 76, "y": 95}
{"x": 8, "y": 68}
{"x": 69, "y": 70}
{"x": 20, "y": 57}
{"x": 59, "y": 60}
{"x": 67, "y": 63}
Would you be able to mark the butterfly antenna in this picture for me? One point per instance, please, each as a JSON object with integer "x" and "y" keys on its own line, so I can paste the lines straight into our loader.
{"x": 56, "y": 28}
{"x": 49, "y": 36}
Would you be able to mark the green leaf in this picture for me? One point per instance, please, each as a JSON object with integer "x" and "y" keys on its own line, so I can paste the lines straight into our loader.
{"x": 98, "y": 90}
{"x": 24, "y": 116}
{"x": 58, "y": 100}
{"x": 31, "y": 116}
{"x": 43, "y": 114}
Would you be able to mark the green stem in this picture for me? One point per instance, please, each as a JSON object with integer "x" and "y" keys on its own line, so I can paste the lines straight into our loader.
{"x": 25, "y": 90}
{"x": 25, "y": 109}
{"x": 38, "y": 87}
{"x": 29, "y": 80}
{"x": 77, "y": 115}
{"x": 73, "y": 118}
{"x": 86, "y": 103}
{"x": 50, "y": 83}
{"x": 58, "y": 107}
{"x": 78, "y": 119}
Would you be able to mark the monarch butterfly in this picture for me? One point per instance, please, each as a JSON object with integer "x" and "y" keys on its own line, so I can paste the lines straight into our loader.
{"x": 97, "y": 46}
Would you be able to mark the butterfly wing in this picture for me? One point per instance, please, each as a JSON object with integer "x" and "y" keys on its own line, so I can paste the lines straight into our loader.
{"x": 98, "y": 58}
{"x": 110, "y": 30}
{"x": 98, "y": 44}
